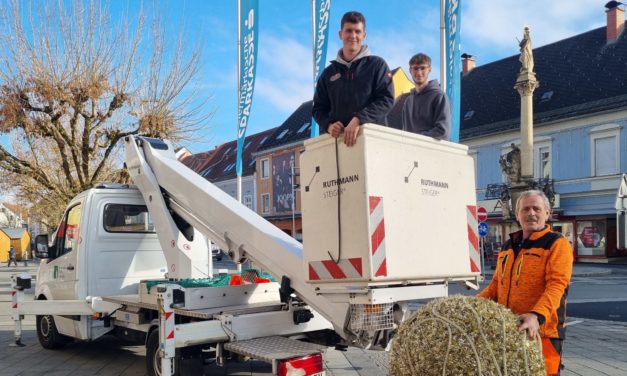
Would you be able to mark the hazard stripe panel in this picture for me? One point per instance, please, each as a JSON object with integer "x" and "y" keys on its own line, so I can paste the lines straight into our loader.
{"x": 377, "y": 237}
{"x": 329, "y": 270}
{"x": 473, "y": 238}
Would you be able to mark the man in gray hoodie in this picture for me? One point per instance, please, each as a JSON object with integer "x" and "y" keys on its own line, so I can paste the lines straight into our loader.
{"x": 425, "y": 109}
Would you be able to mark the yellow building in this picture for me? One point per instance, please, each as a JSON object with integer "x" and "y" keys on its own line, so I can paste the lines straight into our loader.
{"x": 402, "y": 83}
{"x": 5, "y": 242}
{"x": 19, "y": 238}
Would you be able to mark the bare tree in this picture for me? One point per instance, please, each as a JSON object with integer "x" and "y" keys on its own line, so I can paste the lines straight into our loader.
{"x": 73, "y": 83}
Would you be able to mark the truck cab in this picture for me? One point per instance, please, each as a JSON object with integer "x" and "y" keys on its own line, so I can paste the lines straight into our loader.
{"x": 105, "y": 244}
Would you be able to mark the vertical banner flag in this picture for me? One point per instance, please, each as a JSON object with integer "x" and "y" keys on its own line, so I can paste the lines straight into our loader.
{"x": 247, "y": 61}
{"x": 321, "y": 13}
{"x": 453, "y": 62}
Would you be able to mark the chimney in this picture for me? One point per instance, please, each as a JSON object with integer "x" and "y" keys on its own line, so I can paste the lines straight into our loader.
{"x": 468, "y": 63}
{"x": 615, "y": 20}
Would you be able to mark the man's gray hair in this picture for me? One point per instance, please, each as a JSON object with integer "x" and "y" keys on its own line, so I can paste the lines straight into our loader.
{"x": 533, "y": 192}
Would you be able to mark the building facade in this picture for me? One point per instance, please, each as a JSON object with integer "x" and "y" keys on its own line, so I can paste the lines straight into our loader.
{"x": 218, "y": 166}
{"x": 278, "y": 176}
{"x": 580, "y": 120}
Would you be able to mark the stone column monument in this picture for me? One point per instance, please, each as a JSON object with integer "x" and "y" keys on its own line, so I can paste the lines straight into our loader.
{"x": 526, "y": 83}
{"x": 517, "y": 165}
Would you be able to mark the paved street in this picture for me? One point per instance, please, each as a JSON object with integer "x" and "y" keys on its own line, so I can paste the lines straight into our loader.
{"x": 594, "y": 347}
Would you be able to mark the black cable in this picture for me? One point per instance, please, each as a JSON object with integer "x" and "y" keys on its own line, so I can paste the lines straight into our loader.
{"x": 339, "y": 192}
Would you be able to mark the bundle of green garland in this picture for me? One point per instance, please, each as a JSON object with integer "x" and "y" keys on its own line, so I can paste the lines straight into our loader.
{"x": 467, "y": 336}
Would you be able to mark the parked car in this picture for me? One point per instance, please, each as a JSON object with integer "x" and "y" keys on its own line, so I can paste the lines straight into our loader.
{"x": 216, "y": 252}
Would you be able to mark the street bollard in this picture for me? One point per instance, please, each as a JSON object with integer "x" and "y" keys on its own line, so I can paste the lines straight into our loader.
{"x": 19, "y": 282}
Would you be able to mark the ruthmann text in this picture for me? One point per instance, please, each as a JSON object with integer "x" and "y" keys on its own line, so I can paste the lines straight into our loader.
{"x": 340, "y": 181}
{"x": 434, "y": 183}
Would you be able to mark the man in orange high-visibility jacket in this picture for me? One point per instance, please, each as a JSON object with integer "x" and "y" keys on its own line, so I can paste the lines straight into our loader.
{"x": 532, "y": 276}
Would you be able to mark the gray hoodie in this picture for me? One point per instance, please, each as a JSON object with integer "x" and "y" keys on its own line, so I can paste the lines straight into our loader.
{"x": 427, "y": 112}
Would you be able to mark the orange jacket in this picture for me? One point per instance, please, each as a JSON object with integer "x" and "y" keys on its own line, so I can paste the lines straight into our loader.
{"x": 536, "y": 279}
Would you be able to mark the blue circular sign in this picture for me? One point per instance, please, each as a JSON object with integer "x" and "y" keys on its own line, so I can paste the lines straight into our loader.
{"x": 483, "y": 229}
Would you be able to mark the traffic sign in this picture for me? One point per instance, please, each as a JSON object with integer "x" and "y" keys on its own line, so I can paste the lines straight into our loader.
{"x": 483, "y": 229}
{"x": 482, "y": 214}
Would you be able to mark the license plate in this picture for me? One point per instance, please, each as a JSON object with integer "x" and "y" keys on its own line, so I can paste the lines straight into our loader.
{"x": 323, "y": 373}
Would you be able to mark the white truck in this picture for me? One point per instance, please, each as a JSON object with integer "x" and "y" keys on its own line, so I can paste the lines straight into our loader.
{"x": 388, "y": 221}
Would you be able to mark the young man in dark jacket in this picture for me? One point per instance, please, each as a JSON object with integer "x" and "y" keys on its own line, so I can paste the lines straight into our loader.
{"x": 356, "y": 88}
{"x": 425, "y": 109}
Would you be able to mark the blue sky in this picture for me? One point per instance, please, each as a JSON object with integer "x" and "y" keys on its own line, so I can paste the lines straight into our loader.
{"x": 396, "y": 30}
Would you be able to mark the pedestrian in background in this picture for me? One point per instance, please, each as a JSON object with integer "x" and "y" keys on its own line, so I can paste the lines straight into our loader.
{"x": 532, "y": 275}
{"x": 12, "y": 256}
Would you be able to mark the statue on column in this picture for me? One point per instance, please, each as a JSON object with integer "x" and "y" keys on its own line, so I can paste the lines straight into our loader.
{"x": 510, "y": 165}
{"x": 526, "y": 53}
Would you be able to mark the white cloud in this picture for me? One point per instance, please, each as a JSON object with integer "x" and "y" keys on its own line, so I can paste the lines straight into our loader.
{"x": 399, "y": 42}
{"x": 285, "y": 73}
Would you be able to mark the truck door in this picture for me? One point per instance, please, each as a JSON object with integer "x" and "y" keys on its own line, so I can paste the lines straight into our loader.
{"x": 63, "y": 269}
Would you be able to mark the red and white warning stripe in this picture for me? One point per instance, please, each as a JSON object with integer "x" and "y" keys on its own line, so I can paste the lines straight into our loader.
{"x": 473, "y": 238}
{"x": 377, "y": 237}
{"x": 328, "y": 270}
{"x": 166, "y": 324}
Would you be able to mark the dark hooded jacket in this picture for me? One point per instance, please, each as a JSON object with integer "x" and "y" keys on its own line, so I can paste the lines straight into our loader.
{"x": 362, "y": 88}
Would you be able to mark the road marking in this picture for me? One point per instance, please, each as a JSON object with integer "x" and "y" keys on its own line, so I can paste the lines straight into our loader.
{"x": 597, "y": 300}
{"x": 570, "y": 323}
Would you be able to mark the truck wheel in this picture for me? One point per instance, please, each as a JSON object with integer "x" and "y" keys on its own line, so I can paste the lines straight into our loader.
{"x": 49, "y": 337}
{"x": 153, "y": 360}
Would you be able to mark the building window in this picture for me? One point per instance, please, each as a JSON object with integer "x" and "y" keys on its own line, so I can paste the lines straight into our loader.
{"x": 605, "y": 151}
{"x": 265, "y": 203}
{"x": 544, "y": 155}
{"x": 283, "y": 133}
{"x": 605, "y": 156}
{"x": 303, "y": 127}
{"x": 248, "y": 201}
{"x": 265, "y": 168}
{"x": 542, "y": 158}
{"x": 229, "y": 167}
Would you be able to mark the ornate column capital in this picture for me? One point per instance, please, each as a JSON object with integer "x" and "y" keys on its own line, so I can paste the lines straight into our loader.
{"x": 526, "y": 84}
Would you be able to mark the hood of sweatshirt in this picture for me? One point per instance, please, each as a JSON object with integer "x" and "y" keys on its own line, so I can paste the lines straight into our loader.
{"x": 433, "y": 85}
{"x": 365, "y": 51}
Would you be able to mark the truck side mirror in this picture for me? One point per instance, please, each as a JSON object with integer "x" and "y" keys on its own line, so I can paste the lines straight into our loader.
{"x": 41, "y": 246}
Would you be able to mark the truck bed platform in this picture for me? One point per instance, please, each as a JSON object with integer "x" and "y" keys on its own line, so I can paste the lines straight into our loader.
{"x": 133, "y": 300}
{"x": 271, "y": 349}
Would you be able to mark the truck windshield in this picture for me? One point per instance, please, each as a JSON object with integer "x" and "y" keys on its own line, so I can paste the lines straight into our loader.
{"x": 127, "y": 218}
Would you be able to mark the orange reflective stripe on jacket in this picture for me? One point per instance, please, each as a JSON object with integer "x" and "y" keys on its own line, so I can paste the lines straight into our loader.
{"x": 536, "y": 279}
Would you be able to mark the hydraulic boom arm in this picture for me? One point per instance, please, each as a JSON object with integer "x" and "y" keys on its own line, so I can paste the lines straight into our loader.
{"x": 159, "y": 176}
